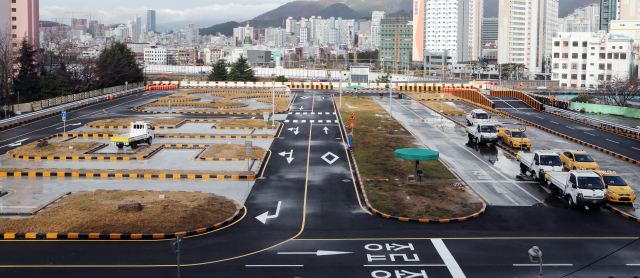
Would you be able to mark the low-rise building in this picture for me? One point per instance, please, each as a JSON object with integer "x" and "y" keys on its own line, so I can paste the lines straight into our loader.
{"x": 586, "y": 59}
{"x": 155, "y": 55}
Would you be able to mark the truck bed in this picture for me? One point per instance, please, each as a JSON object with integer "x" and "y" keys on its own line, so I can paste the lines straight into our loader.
{"x": 125, "y": 138}
{"x": 526, "y": 159}
{"x": 557, "y": 178}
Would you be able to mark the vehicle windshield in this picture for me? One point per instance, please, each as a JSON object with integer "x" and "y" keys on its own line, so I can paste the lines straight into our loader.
{"x": 590, "y": 183}
{"x": 551, "y": 160}
{"x": 482, "y": 116}
{"x": 488, "y": 128}
{"x": 583, "y": 158}
{"x": 518, "y": 134}
{"x": 499, "y": 126}
{"x": 614, "y": 180}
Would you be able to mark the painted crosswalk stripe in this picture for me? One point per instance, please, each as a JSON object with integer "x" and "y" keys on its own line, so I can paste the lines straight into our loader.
{"x": 304, "y": 121}
{"x": 286, "y": 121}
{"x": 452, "y": 265}
{"x": 312, "y": 113}
{"x": 311, "y": 121}
{"x": 336, "y": 121}
{"x": 304, "y": 113}
{"x": 290, "y": 113}
{"x": 319, "y": 121}
{"x": 295, "y": 121}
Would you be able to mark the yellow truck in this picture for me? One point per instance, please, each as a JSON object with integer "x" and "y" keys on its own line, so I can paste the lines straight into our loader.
{"x": 618, "y": 190}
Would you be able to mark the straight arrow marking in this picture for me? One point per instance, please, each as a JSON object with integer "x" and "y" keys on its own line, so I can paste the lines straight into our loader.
{"x": 325, "y": 130}
{"x": 317, "y": 253}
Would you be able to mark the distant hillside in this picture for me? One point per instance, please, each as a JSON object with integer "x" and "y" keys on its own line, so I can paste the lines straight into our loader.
{"x": 565, "y": 7}
{"x": 339, "y": 10}
{"x": 296, "y": 8}
{"x": 224, "y": 28}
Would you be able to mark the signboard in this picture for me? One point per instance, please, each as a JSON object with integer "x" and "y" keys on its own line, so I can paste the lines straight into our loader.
{"x": 352, "y": 117}
{"x": 5, "y": 107}
{"x": 521, "y": 84}
{"x": 352, "y": 124}
{"x": 441, "y": 95}
{"x": 265, "y": 115}
{"x": 522, "y": 128}
{"x": 64, "y": 115}
{"x": 248, "y": 145}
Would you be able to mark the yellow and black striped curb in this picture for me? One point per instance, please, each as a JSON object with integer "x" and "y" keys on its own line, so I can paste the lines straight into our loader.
{"x": 58, "y": 112}
{"x": 436, "y": 99}
{"x": 313, "y": 87}
{"x": 430, "y": 88}
{"x": 216, "y": 136}
{"x": 374, "y": 210}
{"x": 242, "y": 127}
{"x": 508, "y": 149}
{"x": 158, "y": 127}
{"x": 456, "y": 115}
{"x": 205, "y": 105}
{"x": 107, "y": 174}
{"x": 580, "y": 142}
{"x": 27, "y": 236}
{"x": 623, "y": 213}
{"x": 585, "y": 122}
{"x": 136, "y": 109}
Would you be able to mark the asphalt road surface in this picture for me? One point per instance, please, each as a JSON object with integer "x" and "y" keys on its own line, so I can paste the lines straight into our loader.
{"x": 315, "y": 226}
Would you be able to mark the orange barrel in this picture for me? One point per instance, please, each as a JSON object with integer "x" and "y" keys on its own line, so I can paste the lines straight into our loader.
{"x": 110, "y": 96}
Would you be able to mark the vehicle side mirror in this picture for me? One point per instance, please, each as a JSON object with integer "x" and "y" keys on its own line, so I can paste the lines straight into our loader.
{"x": 627, "y": 183}
{"x": 574, "y": 185}
{"x": 595, "y": 160}
{"x": 537, "y": 162}
{"x": 489, "y": 116}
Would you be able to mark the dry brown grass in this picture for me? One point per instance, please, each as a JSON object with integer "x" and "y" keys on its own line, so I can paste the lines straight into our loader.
{"x": 419, "y": 96}
{"x": 97, "y": 212}
{"x": 94, "y": 132}
{"x": 204, "y": 134}
{"x": 56, "y": 149}
{"x": 139, "y": 172}
{"x": 127, "y": 121}
{"x": 248, "y": 123}
{"x": 232, "y": 151}
{"x": 446, "y": 109}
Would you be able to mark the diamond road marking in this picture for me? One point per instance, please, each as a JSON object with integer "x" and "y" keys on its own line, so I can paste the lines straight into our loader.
{"x": 335, "y": 157}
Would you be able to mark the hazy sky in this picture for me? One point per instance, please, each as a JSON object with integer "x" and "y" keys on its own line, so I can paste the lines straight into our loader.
{"x": 119, "y": 11}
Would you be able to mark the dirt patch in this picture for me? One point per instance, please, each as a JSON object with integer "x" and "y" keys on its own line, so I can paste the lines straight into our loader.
{"x": 97, "y": 212}
{"x": 127, "y": 121}
{"x": 56, "y": 149}
{"x": 385, "y": 176}
{"x": 246, "y": 123}
{"x": 170, "y": 135}
{"x": 232, "y": 151}
{"x": 140, "y": 172}
{"x": 446, "y": 109}
{"x": 420, "y": 96}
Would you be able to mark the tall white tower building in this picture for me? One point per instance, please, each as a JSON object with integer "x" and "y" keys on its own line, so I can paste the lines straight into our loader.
{"x": 518, "y": 32}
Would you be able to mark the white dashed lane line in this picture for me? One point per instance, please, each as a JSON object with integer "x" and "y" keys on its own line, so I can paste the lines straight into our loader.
{"x": 553, "y": 122}
{"x": 570, "y": 127}
{"x": 612, "y": 141}
{"x": 635, "y": 148}
{"x": 589, "y": 133}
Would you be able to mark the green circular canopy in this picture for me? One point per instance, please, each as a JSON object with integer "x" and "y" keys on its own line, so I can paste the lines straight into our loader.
{"x": 416, "y": 154}
{"x": 355, "y": 87}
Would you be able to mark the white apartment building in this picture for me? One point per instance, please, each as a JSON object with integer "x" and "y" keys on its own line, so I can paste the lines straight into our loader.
{"x": 518, "y": 32}
{"x": 583, "y": 19}
{"x": 376, "y": 17}
{"x": 583, "y": 59}
{"x": 304, "y": 35}
{"x": 446, "y": 26}
{"x": 547, "y": 30}
{"x": 192, "y": 34}
{"x": 212, "y": 55}
{"x": 155, "y": 55}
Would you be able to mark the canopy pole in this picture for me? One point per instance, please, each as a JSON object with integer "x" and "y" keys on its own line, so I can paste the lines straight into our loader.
{"x": 416, "y": 177}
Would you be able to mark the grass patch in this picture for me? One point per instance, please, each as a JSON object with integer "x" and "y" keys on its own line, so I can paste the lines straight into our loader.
{"x": 419, "y": 96}
{"x": 139, "y": 172}
{"x": 169, "y": 135}
{"x": 56, "y": 149}
{"x": 446, "y": 109}
{"x": 384, "y": 175}
{"x": 127, "y": 121}
{"x": 97, "y": 212}
{"x": 232, "y": 151}
{"x": 247, "y": 123}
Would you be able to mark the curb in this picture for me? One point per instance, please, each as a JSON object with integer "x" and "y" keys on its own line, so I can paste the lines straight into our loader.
{"x": 406, "y": 219}
{"x": 227, "y": 221}
{"x": 157, "y": 127}
{"x": 116, "y": 175}
{"x": 217, "y": 136}
{"x": 623, "y": 213}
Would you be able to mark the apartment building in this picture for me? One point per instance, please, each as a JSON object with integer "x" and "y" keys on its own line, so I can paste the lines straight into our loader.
{"x": 22, "y": 18}
{"x": 518, "y": 32}
{"x": 155, "y": 55}
{"x": 489, "y": 30}
{"x": 389, "y": 27}
{"x": 584, "y": 59}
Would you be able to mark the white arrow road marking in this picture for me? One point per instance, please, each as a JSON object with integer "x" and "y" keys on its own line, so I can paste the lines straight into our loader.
{"x": 295, "y": 130}
{"x": 69, "y": 125}
{"x": 16, "y": 143}
{"x": 253, "y": 117}
{"x": 351, "y": 107}
{"x": 325, "y": 130}
{"x": 335, "y": 157}
{"x": 290, "y": 158}
{"x": 317, "y": 253}
{"x": 263, "y": 217}
{"x": 300, "y": 107}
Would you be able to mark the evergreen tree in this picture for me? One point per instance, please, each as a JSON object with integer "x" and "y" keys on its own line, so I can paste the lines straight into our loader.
{"x": 281, "y": 78}
{"x": 241, "y": 71}
{"x": 27, "y": 81}
{"x": 54, "y": 86}
{"x": 219, "y": 72}
{"x": 117, "y": 64}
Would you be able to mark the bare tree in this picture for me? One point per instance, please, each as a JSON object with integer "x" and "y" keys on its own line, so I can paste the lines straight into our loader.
{"x": 619, "y": 90}
{"x": 6, "y": 65}
{"x": 67, "y": 61}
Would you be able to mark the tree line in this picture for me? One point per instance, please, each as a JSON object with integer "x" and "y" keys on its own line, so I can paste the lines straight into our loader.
{"x": 30, "y": 73}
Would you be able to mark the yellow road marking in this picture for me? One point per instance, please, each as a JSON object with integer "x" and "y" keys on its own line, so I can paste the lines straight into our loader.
{"x": 265, "y": 164}
{"x": 245, "y": 164}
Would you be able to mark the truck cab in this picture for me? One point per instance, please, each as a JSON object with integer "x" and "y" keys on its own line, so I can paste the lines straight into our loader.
{"x": 516, "y": 139}
{"x": 580, "y": 187}
{"x": 618, "y": 190}
{"x": 539, "y": 162}
{"x": 476, "y": 116}
{"x": 578, "y": 160}
{"x": 483, "y": 132}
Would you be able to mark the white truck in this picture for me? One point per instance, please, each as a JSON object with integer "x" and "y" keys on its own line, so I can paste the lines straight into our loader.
{"x": 140, "y": 132}
{"x": 539, "y": 162}
{"x": 477, "y": 116}
{"x": 580, "y": 187}
{"x": 483, "y": 132}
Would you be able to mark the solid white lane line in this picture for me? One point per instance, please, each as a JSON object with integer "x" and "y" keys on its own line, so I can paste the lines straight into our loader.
{"x": 635, "y": 148}
{"x": 612, "y": 141}
{"x": 570, "y": 127}
{"x": 403, "y": 265}
{"x": 543, "y": 264}
{"x": 452, "y": 265}
{"x": 274, "y": 265}
{"x": 589, "y": 133}
{"x": 633, "y": 264}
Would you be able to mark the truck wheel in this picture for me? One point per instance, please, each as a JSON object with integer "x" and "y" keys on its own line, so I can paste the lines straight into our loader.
{"x": 470, "y": 137}
{"x": 534, "y": 175}
{"x": 149, "y": 141}
{"x": 571, "y": 204}
{"x": 477, "y": 141}
{"x": 468, "y": 123}
{"x": 523, "y": 169}
{"x": 134, "y": 145}
{"x": 120, "y": 146}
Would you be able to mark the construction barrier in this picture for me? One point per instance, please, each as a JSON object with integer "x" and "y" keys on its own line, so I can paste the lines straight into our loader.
{"x": 161, "y": 87}
{"x": 313, "y": 87}
{"x": 429, "y": 88}
{"x": 521, "y": 96}
{"x": 472, "y": 94}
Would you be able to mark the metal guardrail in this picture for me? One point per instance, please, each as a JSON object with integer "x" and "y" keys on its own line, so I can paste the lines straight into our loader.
{"x": 593, "y": 121}
{"x": 66, "y": 106}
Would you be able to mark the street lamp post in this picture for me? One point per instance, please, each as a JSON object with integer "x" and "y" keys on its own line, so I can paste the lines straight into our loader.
{"x": 535, "y": 255}
{"x": 273, "y": 102}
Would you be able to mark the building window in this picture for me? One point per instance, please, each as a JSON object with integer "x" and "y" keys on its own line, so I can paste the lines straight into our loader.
{"x": 555, "y": 66}
{"x": 574, "y": 76}
{"x": 623, "y": 56}
{"x": 563, "y": 85}
{"x": 556, "y": 55}
{"x": 564, "y": 76}
{"x": 584, "y": 66}
{"x": 574, "y": 85}
{"x": 593, "y": 48}
{"x": 574, "y": 44}
{"x": 609, "y": 55}
{"x": 574, "y": 66}
{"x": 584, "y": 44}
{"x": 555, "y": 76}
{"x": 565, "y": 43}
{"x": 564, "y": 66}
{"x": 574, "y": 55}
{"x": 608, "y": 76}
{"x": 583, "y": 77}
{"x": 601, "y": 56}
{"x": 593, "y": 54}
{"x": 620, "y": 47}
{"x": 565, "y": 55}
{"x": 602, "y": 48}
{"x": 608, "y": 66}
{"x": 600, "y": 77}
{"x": 13, "y": 9}
{"x": 556, "y": 43}
{"x": 15, "y": 36}
{"x": 613, "y": 47}
{"x": 584, "y": 55}
{"x": 616, "y": 56}
{"x": 14, "y": 27}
